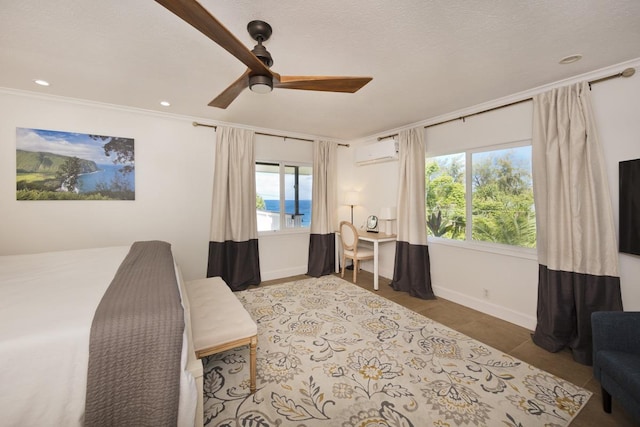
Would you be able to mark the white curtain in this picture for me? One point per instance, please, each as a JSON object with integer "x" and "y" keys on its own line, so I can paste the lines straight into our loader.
{"x": 412, "y": 270}
{"x": 323, "y": 209}
{"x": 233, "y": 246}
{"x": 577, "y": 252}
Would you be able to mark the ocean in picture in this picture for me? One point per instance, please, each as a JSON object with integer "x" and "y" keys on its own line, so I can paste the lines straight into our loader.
{"x": 105, "y": 175}
{"x": 289, "y": 208}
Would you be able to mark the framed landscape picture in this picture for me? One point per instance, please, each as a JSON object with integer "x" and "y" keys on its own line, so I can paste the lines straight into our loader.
{"x": 55, "y": 165}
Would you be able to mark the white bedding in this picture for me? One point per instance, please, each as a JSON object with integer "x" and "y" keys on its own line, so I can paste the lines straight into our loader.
{"x": 47, "y": 303}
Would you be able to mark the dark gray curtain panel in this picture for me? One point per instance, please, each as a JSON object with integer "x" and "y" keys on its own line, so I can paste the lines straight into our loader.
{"x": 323, "y": 210}
{"x": 412, "y": 269}
{"x": 565, "y": 303}
{"x": 236, "y": 262}
{"x": 233, "y": 243}
{"x": 576, "y": 243}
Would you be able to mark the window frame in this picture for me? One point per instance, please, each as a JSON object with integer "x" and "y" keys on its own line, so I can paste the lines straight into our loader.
{"x": 468, "y": 242}
{"x": 282, "y": 165}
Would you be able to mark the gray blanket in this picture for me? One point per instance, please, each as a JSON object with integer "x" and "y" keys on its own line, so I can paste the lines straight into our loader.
{"x": 136, "y": 341}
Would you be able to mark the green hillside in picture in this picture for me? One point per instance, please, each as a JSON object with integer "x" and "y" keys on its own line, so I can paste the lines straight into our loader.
{"x": 47, "y": 163}
{"x": 39, "y": 175}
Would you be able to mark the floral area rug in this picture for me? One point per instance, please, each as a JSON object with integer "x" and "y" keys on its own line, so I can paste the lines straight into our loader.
{"x": 333, "y": 354}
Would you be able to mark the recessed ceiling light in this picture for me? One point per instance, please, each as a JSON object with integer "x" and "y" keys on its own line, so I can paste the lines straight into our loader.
{"x": 41, "y": 82}
{"x": 165, "y": 103}
{"x": 570, "y": 59}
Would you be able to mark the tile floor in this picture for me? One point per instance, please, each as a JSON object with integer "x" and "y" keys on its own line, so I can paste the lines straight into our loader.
{"x": 506, "y": 337}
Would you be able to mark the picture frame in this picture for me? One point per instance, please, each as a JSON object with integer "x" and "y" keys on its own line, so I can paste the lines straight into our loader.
{"x": 62, "y": 165}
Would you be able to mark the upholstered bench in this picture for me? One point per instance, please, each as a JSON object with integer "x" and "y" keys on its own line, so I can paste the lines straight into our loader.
{"x": 219, "y": 322}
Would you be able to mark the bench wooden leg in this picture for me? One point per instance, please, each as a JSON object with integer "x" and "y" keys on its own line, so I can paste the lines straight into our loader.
{"x": 252, "y": 363}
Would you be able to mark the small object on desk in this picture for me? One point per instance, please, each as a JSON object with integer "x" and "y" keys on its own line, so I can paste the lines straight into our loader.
{"x": 372, "y": 224}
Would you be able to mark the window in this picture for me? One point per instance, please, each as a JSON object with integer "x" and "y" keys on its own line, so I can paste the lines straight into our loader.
{"x": 445, "y": 184}
{"x": 499, "y": 209}
{"x": 283, "y": 196}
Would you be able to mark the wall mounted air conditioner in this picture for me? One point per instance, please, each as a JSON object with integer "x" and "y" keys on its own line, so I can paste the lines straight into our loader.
{"x": 380, "y": 151}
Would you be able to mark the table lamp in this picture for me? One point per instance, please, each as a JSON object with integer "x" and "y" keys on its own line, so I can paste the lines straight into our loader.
{"x": 388, "y": 215}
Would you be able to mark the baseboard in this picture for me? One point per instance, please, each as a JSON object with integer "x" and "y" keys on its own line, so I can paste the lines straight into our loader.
{"x": 511, "y": 316}
{"x": 504, "y": 313}
{"x": 383, "y": 273}
{"x": 285, "y": 272}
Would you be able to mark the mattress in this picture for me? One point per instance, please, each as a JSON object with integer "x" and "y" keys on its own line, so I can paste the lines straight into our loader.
{"x": 47, "y": 303}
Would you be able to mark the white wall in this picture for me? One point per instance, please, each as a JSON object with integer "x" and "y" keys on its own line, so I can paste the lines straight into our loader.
{"x": 377, "y": 186}
{"x": 463, "y": 273}
{"x": 174, "y": 176}
{"x": 616, "y": 105}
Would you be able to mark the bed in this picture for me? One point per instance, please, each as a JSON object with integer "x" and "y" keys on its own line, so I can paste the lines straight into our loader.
{"x": 47, "y": 306}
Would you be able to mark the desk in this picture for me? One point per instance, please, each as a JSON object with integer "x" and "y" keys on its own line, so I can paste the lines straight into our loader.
{"x": 376, "y": 239}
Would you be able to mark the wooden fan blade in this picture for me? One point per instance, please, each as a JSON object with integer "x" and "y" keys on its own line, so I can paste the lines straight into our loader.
{"x": 322, "y": 83}
{"x": 198, "y": 17}
{"x": 229, "y": 94}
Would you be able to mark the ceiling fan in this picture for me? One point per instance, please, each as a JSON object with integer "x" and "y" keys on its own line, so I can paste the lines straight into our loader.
{"x": 258, "y": 77}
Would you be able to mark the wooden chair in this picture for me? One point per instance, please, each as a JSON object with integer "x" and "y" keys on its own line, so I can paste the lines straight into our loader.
{"x": 350, "y": 249}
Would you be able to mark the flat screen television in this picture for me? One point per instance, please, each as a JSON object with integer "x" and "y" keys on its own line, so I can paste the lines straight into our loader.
{"x": 629, "y": 177}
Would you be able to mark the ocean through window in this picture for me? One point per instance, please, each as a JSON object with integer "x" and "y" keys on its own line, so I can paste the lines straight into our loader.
{"x": 283, "y": 196}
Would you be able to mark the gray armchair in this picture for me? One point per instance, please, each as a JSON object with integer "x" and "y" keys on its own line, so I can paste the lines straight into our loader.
{"x": 616, "y": 358}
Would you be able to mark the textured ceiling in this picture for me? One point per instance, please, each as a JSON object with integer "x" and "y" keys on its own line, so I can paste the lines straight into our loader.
{"x": 426, "y": 58}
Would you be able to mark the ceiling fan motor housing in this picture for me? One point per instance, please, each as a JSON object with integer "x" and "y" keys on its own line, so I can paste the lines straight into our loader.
{"x": 260, "y": 31}
{"x": 263, "y": 54}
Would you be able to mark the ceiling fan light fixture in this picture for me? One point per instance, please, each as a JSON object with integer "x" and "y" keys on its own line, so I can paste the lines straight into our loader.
{"x": 260, "y": 84}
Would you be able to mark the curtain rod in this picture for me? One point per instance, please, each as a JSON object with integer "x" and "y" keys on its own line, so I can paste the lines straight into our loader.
{"x": 270, "y": 134}
{"x": 628, "y": 72}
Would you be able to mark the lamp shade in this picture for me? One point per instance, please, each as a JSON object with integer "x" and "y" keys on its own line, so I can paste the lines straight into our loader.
{"x": 388, "y": 213}
{"x": 351, "y": 198}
